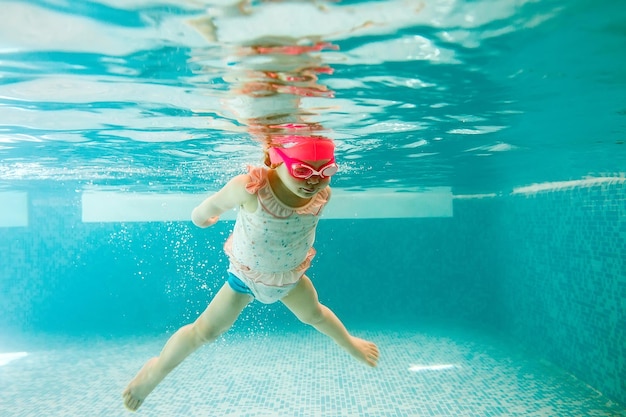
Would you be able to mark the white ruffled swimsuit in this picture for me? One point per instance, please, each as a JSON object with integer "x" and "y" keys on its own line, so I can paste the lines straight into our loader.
{"x": 270, "y": 249}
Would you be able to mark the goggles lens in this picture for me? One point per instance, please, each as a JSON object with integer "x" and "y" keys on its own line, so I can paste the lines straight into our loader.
{"x": 302, "y": 170}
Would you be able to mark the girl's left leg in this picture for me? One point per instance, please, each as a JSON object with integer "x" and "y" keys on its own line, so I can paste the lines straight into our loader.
{"x": 304, "y": 303}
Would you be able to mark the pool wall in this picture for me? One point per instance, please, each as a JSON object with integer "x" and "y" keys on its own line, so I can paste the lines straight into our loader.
{"x": 562, "y": 290}
{"x": 546, "y": 269}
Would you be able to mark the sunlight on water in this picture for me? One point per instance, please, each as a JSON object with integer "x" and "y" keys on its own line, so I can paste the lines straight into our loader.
{"x": 561, "y": 185}
{"x": 437, "y": 367}
{"x": 6, "y": 358}
{"x": 170, "y": 96}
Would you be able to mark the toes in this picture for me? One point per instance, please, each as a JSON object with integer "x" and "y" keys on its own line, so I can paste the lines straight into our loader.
{"x": 374, "y": 355}
{"x": 130, "y": 402}
{"x": 133, "y": 404}
{"x": 374, "y": 350}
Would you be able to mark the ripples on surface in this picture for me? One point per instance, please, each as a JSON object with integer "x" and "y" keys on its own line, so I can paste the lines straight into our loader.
{"x": 483, "y": 96}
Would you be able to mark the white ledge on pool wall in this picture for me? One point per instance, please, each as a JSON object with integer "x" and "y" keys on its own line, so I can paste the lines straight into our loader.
{"x": 389, "y": 204}
{"x": 13, "y": 209}
{"x": 379, "y": 203}
{"x": 140, "y": 207}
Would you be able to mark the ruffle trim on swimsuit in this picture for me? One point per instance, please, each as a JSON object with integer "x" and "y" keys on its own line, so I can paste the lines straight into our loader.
{"x": 274, "y": 279}
{"x": 259, "y": 185}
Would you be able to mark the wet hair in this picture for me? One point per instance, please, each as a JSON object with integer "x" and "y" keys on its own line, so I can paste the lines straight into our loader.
{"x": 266, "y": 158}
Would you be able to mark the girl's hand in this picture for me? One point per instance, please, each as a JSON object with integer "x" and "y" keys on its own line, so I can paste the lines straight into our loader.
{"x": 211, "y": 221}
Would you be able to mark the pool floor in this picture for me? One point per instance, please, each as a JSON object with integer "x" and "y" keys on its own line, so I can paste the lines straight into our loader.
{"x": 297, "y": 373}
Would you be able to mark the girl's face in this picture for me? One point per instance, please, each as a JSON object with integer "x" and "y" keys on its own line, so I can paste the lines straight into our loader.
{"x": 303, "y": 188}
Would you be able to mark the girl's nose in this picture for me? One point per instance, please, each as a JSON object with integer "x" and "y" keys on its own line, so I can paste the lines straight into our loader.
{"x": 314, "y": 179}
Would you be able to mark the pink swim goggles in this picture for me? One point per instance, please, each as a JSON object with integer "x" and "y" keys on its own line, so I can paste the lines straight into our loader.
{"x": 311, "y": 151}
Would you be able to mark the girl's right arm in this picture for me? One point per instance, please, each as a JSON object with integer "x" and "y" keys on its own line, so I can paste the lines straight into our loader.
{"x": 232, "y": 195}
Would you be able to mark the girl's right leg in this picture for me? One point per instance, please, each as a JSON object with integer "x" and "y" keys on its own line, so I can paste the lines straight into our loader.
{"x": 218, "y": 317}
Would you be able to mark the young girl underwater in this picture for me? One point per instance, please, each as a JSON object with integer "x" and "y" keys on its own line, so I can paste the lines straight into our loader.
{"x": 269, "y": 250}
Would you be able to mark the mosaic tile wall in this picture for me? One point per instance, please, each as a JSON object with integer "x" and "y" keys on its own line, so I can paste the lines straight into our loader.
{"x": 561, "y": 287}
{"x": 65, "y": 275}
{"x": 68, "y": 275}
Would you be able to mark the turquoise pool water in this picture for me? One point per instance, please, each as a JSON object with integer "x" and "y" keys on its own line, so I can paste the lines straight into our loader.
{"x": 476, "y": 233}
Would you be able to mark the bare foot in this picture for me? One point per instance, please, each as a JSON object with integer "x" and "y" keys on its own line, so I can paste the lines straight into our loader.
{"x": 364, "y": 351}
{"x": 142, "y": 384}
